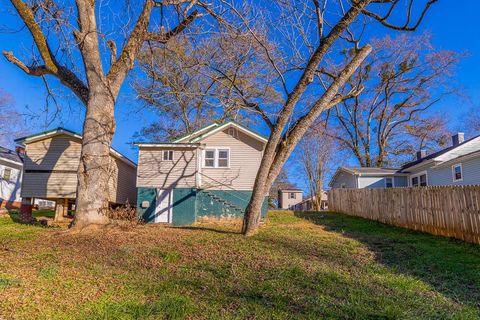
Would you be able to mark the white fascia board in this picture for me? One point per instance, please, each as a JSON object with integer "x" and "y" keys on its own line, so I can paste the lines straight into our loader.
{"x": 196, "y": 132}
{"x": 50, "y": 134}
{"x": 20, "y": 164}
{"x": 381, "y": 174}
{"x": 169, "y": 145}
{"x": 226, "y": 125}
{"x": 463, "y": 149}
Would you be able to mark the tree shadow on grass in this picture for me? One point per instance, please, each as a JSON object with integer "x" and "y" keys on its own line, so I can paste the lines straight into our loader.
{"x": 451, "y": 266}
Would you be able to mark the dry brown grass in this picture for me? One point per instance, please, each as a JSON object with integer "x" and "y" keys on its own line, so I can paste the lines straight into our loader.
{"x": 292, "y": 268}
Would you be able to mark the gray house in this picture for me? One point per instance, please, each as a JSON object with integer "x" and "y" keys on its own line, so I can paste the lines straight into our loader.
{"x": 458, "y": 164}
{"x": 358, "y": 178}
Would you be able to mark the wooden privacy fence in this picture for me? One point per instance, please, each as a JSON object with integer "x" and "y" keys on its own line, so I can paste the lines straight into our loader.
{"x": 451, "y": 211}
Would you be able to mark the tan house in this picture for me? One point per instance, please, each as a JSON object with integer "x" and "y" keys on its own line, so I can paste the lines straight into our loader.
{"x": 50, "y": 168}
{"x": 209, "y": 173}
{"x": 288, "y": 197}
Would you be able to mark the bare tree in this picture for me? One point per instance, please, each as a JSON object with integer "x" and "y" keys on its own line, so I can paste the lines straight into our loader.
{"x": 402, "y": 79}
{"x": 61, "y": 34}
{"x": 315, "y": 153}
{"x": 11, "y": 121}
{"x": 296, "y": 37}
{"x": 191, "y": 82}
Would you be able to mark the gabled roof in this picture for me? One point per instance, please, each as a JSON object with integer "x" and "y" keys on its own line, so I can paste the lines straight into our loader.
{"x": 188, "y": 137}
{"x": 58, "y": 131}
{"x": 197, "y": 136}
{"x": 446, "y": 154}
{"x": 227, "y": 125}
{"x": 366, "y": 172}
{"x": 10, "y": 156}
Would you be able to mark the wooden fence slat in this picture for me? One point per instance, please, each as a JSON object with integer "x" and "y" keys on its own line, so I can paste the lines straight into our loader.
{"x": 451, "y": 211}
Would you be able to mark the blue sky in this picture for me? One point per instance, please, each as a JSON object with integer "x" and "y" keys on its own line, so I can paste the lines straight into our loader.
{"x": 453, "y": 26}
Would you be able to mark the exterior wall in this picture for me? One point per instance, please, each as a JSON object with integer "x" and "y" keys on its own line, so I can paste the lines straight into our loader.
{"x": 122, "y": 182}
{"x": 60, "y": 154}
{"x": 50, "y": 171}
{"x": 349, "y": 180}
{"x": 379, "y": 182}
{"x": 400, "y": 182}
{"x": 208, "y": 208}
{"x": 245, "y": 157}
{"x": 190, "y": 204}
{"x": 154, "y": 172}
{"x": 443, "y": 176}
{"x": 283, "y": 200}
{"x": 10, "y": 190}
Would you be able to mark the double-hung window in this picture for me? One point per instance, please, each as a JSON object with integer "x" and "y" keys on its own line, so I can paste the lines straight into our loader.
{"x": 415, "y": 182}
{"x": 292, "y": 195}
{"x": 423, "y": 180}
{"x": 7, "y": 174}
{"x": 419, "y": 180}
{"x": 457, "y": 172}
{"x": 216, "y": 158}
{"x": 167, "y": 155}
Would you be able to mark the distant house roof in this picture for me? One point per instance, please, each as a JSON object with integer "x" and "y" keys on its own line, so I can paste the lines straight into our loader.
{"x": 10, "y": 155}
{"x": 200, "y": 134}
{"x": 364, "y": 171}
{"x": 290, "y": 189}
{"x": 57, "y": 131}
{"x": 435, "y": 155}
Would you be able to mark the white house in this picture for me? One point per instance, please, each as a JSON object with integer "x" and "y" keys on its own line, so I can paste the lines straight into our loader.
{"x": 458, "y": 164}
{"x": 11, "y": 164}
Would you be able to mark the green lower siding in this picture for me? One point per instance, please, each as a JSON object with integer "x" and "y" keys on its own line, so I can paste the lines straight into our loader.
{"x": 146, "y": 195}
{"x": 184, "y": 206}
{"x": 190, "y": 204}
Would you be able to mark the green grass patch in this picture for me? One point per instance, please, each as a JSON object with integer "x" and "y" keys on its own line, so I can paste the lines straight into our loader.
{"x": 299, "y": 266}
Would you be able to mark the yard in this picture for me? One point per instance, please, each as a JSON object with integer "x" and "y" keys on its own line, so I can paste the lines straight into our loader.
{"x": 313, "y": 265}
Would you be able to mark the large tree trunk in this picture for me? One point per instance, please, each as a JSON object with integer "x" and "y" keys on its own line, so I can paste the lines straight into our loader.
{"x": 252, "y": 216}
{"x": 93, "y": 172}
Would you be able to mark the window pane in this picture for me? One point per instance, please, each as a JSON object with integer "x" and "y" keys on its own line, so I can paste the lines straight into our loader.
{"x": 209, "y": 162}
{"x": 458, "y": 173}
{"x": 223, "y": 163}
{"x": 223, "y": 154}
{"x": 415, "y": 182}
{"x": 209, "y": 154}
{"x": 423, "y": 180}
{"x": 7, "y": 174}
{"x": 168, "y": 155}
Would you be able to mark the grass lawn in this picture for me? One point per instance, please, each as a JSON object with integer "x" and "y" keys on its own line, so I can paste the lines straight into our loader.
{"x": 311, "y": 266}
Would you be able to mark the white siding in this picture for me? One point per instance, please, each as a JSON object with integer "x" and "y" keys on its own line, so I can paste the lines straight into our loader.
{"x": 245, "y": 157}
{"x": 10, "y": 190}
{"x": 443, "y": 176}
{"x": 155, "y": 172}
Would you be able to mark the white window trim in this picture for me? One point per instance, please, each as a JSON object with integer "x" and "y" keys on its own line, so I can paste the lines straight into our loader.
{"x": 393, "y": 181}
{"x": 163, "y": 155}
{"x": 453, "y": 172}
{"x": 418, "y": 175}
{"x": 215, "y": 158}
